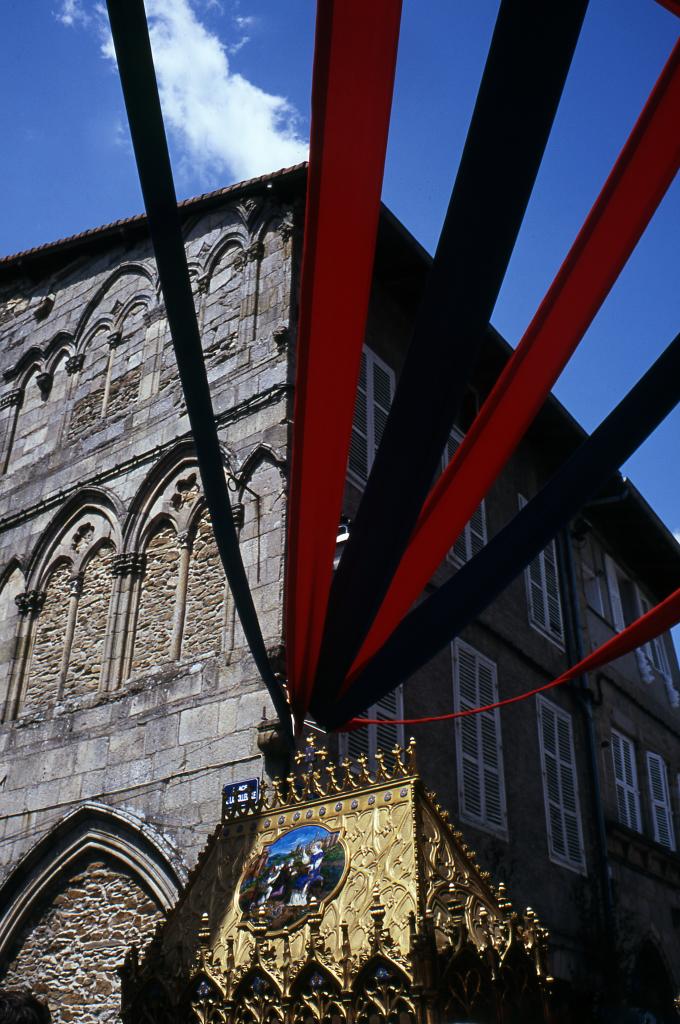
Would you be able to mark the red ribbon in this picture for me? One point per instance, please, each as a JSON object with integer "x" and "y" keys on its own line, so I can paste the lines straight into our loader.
{"x": 353, "y": 78}
{"x": 661, "y": 618}
{"x": 631, "y": 194}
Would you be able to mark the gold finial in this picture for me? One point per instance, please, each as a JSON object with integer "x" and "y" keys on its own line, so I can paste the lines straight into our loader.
{"x": 411, "y": 755}
{"x": 204, "y": 930}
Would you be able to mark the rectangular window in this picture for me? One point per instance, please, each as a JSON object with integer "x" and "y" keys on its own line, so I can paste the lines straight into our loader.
{"x": 655, "y": 649}
{"x": 659, "y": 796}
{"x": 543, "y": 591}
{"x": 473, "y": 537}
{"x": 560, "y": 786}
{"x": 479, "y": 751}
{"x": 371, "y": 738}
{"x": 374, "y": 397}
{"x": 617, "y": 617}
{"x": 625, "y": 775}
{"x": 593, "y": 589}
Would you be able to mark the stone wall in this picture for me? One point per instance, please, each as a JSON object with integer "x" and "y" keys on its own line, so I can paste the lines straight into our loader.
{"x": 157, "y": 602}
{"x": 48, "y": 643}
{"x": 68, "y": 952}
{"x": 87, "y": 649}
{"x": 103, "y": 513}
{"x": 205, "y": 611}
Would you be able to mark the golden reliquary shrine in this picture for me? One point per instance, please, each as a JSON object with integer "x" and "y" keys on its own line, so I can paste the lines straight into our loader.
{"x": 339, "y": 896}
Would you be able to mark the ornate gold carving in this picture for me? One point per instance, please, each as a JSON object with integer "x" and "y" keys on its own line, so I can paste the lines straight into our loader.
{"x": 415, "y": 933}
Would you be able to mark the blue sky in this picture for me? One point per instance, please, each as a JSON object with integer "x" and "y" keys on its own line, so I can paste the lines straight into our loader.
{"x": 235, "y": 80}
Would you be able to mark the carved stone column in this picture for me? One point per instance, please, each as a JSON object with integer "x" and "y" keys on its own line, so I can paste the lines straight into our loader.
{"x": 128, "y": 570}
{"x": 250, "y": 261}
{"x": 115, "y": 341}
{"x": 30, "y": 605}
{"x": 180, "y": 595}
{"x": 10, "y": 404}
{"x": 75, "y": 590}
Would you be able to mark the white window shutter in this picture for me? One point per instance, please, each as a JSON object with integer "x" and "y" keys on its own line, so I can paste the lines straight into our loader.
{"x": 560, "y": 785}
{"x": 370, "y": 738}
{"x": 625, "y": 776}
{"x": 356, "y": 743}
{"x": 660, "y": 800}
{"x": 388, "y": 708}
{"x": 481, "y": 784}
{"x": 552, "y": 591}
{"x": 383, "y": 391}
{"x": 358, "y": 449}
{"x": 375, "y": 391}
{"x": 543, "y": 590}
{"x": 614, "y": 594}
{"x": 474, "y": 536}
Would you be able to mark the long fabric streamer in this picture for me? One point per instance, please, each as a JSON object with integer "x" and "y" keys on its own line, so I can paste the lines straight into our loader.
{"x": 530, "y": 55}
{"x": 354, "y": 66}
{"x": 662, "y": 617}
{"x": 631, "y": 194}
{"x": 135, "y": 64}
{"x": 435, "y": 622}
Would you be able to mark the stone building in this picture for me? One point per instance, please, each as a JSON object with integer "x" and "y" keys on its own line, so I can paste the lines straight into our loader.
{"x": 129, "y": 696}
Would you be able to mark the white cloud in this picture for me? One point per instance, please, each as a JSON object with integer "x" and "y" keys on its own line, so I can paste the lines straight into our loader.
{"x": 676, "y": 534}
{"x": 224, "y": 124}
{"x": 71, "y": 12}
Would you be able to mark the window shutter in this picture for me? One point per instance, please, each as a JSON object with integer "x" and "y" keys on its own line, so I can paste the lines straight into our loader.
{"x": 543, "y": 590}
{"x": 473, "y": 538}
{"x": 625, "y": 775}
{"x": 375, "y": 391}
{"x": 357, "y": 743}
{"x": 591, "y": 584}
{"x": 389, "y": 707}
{"x": 382, "y": 737}
{"x": 560, "y": 787}
{"x": 358, "y": 449}
{"x": 383, "y": 388}
{"x": 614, "y": 594}
{"x": 481, "y": 786}
{"x": 660, "y": 800}
{"x": 552, "y": 591}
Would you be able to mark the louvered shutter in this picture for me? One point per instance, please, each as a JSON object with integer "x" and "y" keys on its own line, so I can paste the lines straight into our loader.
{"x": 660, "y": 800}
{"x": 625, "y": 775}
{"x": 359, "y": 443}
{"x": 375, "y": 391}
{"x": 382, "y": 737}
{"x": 383, "y": 389}
{"x": 543, "y": 590}
{"x": 356, "y": 743}
{"x": 473, "y": 538}
{"x": 614, "y": 594}
{"x": 563, "y": 816}
{"x": 481, "y": 786}
{"x": 388, "y": 708}
{"x": 552, "y": 591}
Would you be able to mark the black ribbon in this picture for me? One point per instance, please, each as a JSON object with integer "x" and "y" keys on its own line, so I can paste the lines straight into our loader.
{"x": 531, "y": 51}
{"x": 140, "y": 91}
{"x": 435, "y": 622}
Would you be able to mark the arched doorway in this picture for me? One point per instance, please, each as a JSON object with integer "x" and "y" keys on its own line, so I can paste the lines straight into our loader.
{"x": 651, "y": 990}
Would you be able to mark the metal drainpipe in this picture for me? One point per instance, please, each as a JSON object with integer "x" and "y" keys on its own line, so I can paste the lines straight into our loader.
{"x": 582, "y": 691}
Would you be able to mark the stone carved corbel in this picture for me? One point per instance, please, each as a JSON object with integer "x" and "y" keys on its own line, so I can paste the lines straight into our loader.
{"x": 74, "y": 363}
{"x": 12, "y": 398}
{"x": 30, "y": 602}
{"x": 281, "y": 336}
{"x": 255, "y": 251}
{"x": 129, "y": 563}
{"x": 44, "y": 381}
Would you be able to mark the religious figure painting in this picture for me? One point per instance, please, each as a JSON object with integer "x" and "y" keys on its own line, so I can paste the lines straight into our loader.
{"x": 292, "y": 875}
